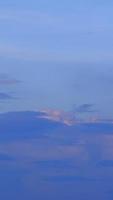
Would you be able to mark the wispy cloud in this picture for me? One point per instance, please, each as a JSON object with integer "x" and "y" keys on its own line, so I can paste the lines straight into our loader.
{"x": 30, "y": 124}
{"x": 85, "y": 108}
{"x": 5, "y": 96}
{"x": 67, "y": 118}
{"x": 5, "y": 80}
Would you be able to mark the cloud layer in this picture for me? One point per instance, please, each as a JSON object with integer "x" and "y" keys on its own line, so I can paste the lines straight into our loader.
{"x": 5, "y": 80}
{"x": 5, "y": 96}
{"x": 47, "y": 152}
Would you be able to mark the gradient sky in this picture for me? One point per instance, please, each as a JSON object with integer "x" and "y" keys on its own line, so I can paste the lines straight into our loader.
{"x": 61, "y": 52}
{"x": 57, "y": 30}
{"x": 56, "y": 96}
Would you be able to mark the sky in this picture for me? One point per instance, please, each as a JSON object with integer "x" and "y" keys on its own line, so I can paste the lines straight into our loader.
{"x": 56, "y": 83}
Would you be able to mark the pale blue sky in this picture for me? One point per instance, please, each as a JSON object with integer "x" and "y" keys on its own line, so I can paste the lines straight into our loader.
{"x": 57, "y": 30}
{"x": 71, "y": 41}
{"x": 53, "y": 85}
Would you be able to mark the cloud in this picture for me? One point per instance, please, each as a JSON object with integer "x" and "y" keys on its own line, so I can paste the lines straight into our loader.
{"x": 5, "y": 80}
{"x": 30, "y": 124}
{"x": 53, "y": 152}
{"x": 59, "y": 116}
{"x": 85, "y": 108}
{"x": 8, "y": 81}
{"x": 5, "y": 96}
{"x": 21, "y": 125}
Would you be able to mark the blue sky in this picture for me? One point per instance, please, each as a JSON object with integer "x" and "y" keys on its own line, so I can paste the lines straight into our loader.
{"x": 57, "y": 86}
{"x": 55, "y": 49}
{"x": 56, "y": 83}
{"x": 68, "y": 31}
